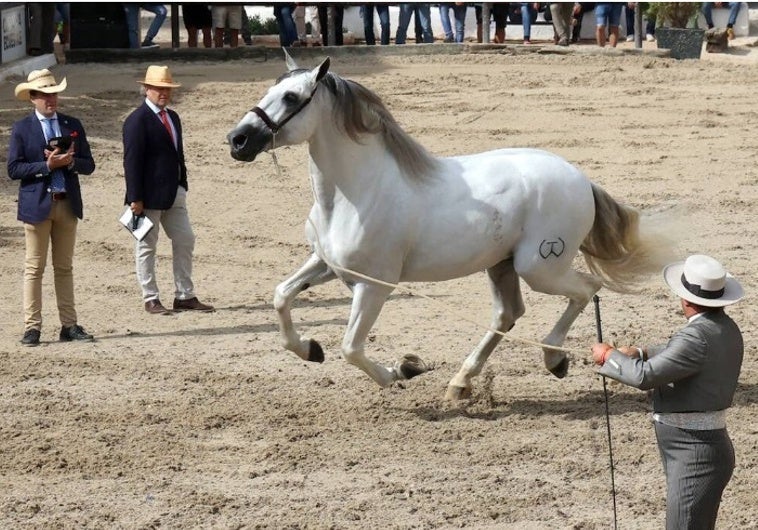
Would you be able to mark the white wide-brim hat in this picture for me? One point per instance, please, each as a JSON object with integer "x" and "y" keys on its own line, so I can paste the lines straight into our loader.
{"x": 41, "y": 81}
{"x": 703, "y": 281}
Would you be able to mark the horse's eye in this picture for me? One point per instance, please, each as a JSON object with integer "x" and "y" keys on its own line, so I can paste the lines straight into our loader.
{"x": 290, "y": 98}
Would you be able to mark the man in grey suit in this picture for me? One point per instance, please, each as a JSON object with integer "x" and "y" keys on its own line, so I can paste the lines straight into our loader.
{"x": 693, "y": 378}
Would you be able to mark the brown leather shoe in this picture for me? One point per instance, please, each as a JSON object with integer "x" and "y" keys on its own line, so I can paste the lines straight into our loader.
{"x": 192, "y": 304}
{"x": 154, "y": 307}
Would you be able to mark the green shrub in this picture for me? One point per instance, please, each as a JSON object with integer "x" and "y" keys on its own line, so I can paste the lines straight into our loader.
{"x": 266, "y": 27}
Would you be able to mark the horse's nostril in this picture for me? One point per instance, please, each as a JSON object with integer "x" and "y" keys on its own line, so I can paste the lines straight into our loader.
{"x": 239, "y": 141}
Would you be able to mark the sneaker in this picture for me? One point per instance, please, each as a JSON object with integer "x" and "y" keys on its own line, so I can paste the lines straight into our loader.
{"x": 730, "y": 33}
{"x": 630, "y": 38}
{"x": 649, "y": 37}
{"x": 75, "y": 332}
{"x": 31, "y": 337}
{"x": 148, "y": 43}
{"x": 448, "y": 39}
{"x": 527, "y": 41}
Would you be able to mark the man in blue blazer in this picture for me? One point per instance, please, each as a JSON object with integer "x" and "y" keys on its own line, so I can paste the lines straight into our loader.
{"x": 156, "y": 186}
{"x": 693, "y": 378}
{"x": 49, "y": 199}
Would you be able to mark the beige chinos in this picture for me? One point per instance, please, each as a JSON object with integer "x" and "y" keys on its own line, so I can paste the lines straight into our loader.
{"x": 58, "y": 231}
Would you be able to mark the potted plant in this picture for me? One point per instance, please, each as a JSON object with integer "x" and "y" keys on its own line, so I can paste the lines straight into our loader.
{"x": 677, "y": 28}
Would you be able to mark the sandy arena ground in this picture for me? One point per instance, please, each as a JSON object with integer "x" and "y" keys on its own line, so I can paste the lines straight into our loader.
{"x": 204, "y": 421}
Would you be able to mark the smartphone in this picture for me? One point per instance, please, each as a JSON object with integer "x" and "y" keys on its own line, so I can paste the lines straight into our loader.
{"x": 62, "y": 142}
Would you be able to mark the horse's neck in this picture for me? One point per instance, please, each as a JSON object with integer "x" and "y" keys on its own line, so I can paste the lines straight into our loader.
{"x": 342, "y": 168}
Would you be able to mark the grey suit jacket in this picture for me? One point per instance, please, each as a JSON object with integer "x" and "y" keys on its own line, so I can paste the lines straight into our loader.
{"x": 696, "y": 371}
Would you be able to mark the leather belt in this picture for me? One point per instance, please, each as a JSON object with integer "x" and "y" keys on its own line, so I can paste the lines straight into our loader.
{"x": 58, "y": 195}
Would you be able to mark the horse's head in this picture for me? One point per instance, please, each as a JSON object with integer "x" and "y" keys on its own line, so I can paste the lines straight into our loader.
{"x": 282, "y": 117}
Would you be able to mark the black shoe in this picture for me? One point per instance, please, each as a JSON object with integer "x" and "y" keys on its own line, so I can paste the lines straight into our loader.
{"x": 75, "y": 332}
{"x": 31, "y": 337}
{"x": 148, "y": 43}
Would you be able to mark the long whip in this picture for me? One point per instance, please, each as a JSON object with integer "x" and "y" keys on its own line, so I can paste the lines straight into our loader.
{"x": 596, "y": 300}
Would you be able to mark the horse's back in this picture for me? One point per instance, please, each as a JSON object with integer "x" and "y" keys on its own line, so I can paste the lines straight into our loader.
{"x": 497, "y": 205}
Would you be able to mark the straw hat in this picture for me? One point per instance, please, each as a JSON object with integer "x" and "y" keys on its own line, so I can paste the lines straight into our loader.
{"x": 41, "y": 81}
{"x": 159, "y": 76}
{"x": 703, "y": 281}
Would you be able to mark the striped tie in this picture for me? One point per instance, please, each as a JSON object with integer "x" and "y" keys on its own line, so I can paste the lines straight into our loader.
{"x": 167, "y": 125}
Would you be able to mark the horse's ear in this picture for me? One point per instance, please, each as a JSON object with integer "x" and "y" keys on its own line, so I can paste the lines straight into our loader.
{"x": 291, "y": 64}
{"x": 323, "y": 69}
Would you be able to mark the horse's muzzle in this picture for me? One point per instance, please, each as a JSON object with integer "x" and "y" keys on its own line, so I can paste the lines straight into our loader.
{"x": 246, "y": 141}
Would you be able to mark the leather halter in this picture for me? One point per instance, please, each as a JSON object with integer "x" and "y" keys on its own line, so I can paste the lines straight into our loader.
{"x": 274, "y": 127}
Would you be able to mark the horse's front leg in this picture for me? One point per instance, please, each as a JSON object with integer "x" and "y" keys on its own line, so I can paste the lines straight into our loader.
{"x": 368, "y": 300}
{"x": 314, "y": 272}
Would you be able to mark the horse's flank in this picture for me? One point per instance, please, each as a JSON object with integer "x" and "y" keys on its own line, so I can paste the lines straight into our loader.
{"x": 358, "y": 111}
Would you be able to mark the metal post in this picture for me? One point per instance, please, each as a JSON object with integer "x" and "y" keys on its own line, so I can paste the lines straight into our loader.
{"x": 175, "y": 25}
{"x": 637, "y": 25}
{"x": 486, "y": 8}
{"x": 331, "y": 15}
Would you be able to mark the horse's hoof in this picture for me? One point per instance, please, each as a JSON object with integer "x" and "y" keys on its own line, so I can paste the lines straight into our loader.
{"x": 561, "y": 369}
{"x": 315, "y": 353}
{"x": 410, "y": 366}
{"x": 456, "y": 393}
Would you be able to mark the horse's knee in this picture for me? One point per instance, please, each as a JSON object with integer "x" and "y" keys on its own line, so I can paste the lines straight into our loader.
{"x": 280, "y": 300}
{"x": 353, "y": 356}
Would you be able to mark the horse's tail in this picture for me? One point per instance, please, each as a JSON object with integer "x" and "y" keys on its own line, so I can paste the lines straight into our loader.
{"x": 619, "y": 249}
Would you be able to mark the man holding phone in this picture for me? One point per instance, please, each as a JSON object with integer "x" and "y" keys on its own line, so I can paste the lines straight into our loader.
{"x": 46, "y": 154}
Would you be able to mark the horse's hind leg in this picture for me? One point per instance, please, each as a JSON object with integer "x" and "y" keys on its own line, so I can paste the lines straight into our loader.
{"x": 579, "y": 288}
{"x": 314, "y": 272}
{"x": 507, "y": 307}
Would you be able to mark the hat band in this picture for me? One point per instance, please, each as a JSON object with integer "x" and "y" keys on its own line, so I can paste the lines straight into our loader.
{"x": 702, "y": 293}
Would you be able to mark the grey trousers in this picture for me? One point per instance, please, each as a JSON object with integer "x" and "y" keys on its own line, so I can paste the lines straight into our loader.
{"x": 698, "y": 466}
{"x": 176, "y": 223}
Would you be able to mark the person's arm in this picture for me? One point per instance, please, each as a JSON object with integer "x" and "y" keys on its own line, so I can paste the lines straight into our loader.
{"x": 82, "y": 162}
{"x": 19, "y": 165}
{"x": 134, "y": 152}
{"x": 683, "y": 356}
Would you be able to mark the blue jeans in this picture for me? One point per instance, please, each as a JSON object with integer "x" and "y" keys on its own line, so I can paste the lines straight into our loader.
{"x": 459, "y": 14}
{"x": 421, "y": 12}
{"x": 734, "y": 10}
{"x": 287, "y": 29}
{"x": 132, "y": 21}
{"x": 367, "y": 11}
{"x": 608, "y": 14}
{"x": 528, "y": 15}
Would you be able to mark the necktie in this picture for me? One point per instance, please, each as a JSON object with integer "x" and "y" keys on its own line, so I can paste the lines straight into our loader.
{"x": 58, "y": 181}
{"x": 167, "y": 125}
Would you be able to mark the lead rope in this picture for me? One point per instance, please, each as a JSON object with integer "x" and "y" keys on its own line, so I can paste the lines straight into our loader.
{"x": 596, "y": 300}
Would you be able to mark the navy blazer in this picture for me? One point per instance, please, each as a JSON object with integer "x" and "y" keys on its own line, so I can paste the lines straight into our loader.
{"x": 154, "y": 169}
{"x": 26, "y": 162}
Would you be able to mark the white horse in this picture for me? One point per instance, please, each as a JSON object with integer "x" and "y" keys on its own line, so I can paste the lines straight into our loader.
{"x": 388, "y": 210}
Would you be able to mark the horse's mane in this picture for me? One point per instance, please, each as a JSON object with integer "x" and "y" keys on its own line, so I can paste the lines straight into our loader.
{"x": 359, "y": 111}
